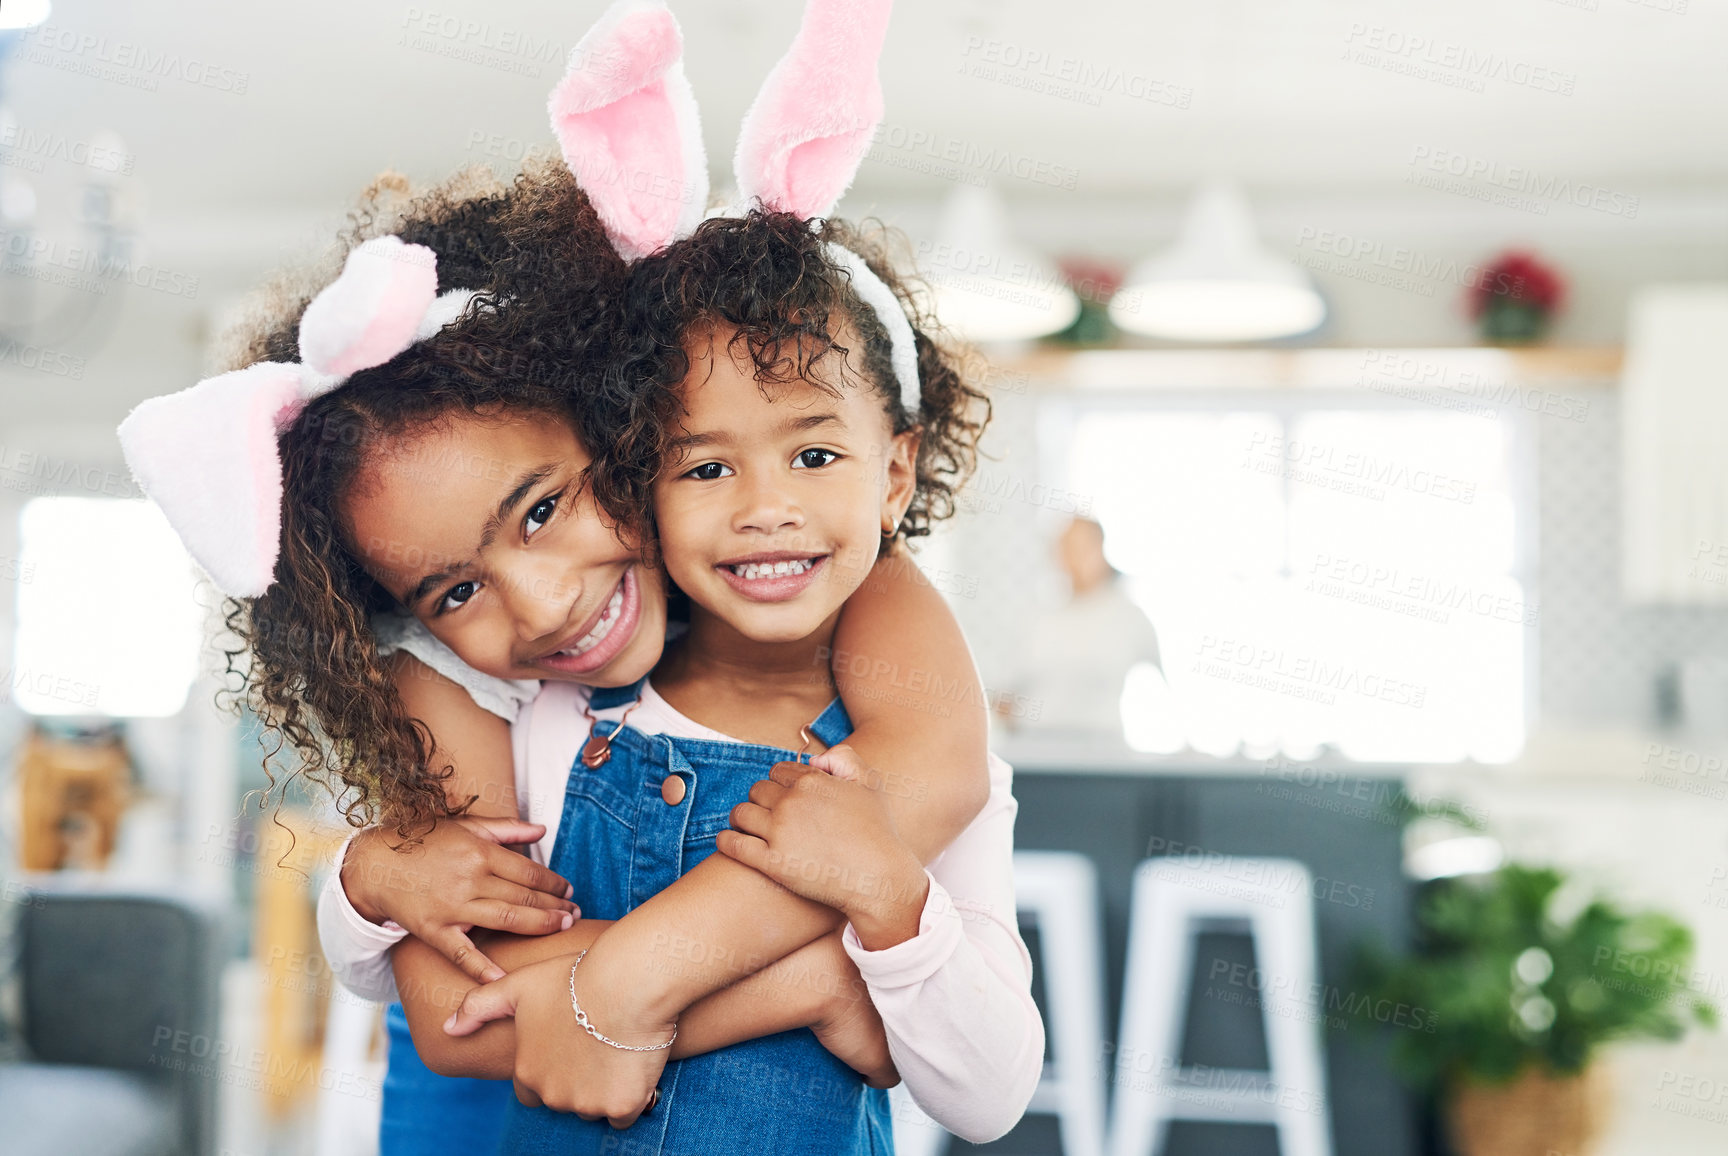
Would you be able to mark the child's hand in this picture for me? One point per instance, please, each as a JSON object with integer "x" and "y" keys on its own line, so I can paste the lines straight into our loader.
{"x": 847, "y": 1023}
{"x": 459, "y": 877}
{"x": 820, "y": 832}
{"x": 558, "y": 1065}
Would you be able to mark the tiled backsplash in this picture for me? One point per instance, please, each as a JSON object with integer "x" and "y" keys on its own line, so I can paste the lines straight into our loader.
{"x": 1599, "y": 659}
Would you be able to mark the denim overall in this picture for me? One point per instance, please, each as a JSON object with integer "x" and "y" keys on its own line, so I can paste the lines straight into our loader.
{"x": 425, "y": 1114}
{"x": 620, "y": 843}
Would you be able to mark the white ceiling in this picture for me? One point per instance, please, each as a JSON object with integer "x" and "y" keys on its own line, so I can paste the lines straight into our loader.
{"x": 336, "y": 90}
{"x": 226, "y": 184}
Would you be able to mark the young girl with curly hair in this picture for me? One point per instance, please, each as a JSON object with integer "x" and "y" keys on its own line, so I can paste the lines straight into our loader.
{"x": 787, "y": 460}
{"x": 330, "y": 666}
{"x": 359, "y": 542}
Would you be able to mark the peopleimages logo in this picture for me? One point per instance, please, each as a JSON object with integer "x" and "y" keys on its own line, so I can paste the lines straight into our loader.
{"x": 1439, "y": 382}
{"x": 21, "y": 355}
{"x": 1448, "y": 62}
{"x": 967, "y": 162}
{"x": 1430, "y": 165}
{"x": 1347, "y": 469}
{"x": 1402, "y": 259}
{"x": 1071, "y": 78}
{"x": 30, "y": 149}
{"x": 86, "y": 268}
{"x": 1300, "y": 675}
{"x": 124, "y": 62}
{"x": 46, "y": 473}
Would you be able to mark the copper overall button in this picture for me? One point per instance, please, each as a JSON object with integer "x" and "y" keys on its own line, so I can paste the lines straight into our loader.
{"x": 672, "y": 790}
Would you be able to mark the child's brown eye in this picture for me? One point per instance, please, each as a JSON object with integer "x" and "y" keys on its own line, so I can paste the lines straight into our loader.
{"x": 540, "y": 514}
{"x": 813, "y": 459}
{"x": 459, "y": 593}
{"x": 708, "y": 472}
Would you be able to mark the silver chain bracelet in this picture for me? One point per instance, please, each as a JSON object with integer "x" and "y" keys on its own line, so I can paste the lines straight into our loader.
{"x": 582, "y": 1018}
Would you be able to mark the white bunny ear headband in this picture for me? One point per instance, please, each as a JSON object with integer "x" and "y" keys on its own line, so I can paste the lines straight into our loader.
{"x": 208, "y": 456}
{"x": 626, "y": 122}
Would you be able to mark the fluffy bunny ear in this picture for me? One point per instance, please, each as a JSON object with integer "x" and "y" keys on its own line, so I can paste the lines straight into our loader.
{"x": 372, "y": 311}
{"x": 207, "y": 456}
{"x": 626, "y": 121}
{"x": 808, "y": 130}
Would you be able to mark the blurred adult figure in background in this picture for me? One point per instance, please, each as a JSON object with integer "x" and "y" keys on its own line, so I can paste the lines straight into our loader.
{"x": 1069, "y": 679}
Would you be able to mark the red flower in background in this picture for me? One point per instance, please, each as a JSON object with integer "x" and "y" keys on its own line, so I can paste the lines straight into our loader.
{"x": 1517, "y": 276}
{"x": 1091, "y": 280}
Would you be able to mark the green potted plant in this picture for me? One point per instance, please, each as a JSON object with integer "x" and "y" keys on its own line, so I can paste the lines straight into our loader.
{"x": 1522, "y": 981}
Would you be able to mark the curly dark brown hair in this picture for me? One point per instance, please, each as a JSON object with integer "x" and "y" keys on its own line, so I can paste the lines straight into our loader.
{"x": 768, "y": 275}
{"x": 307, "y": 661}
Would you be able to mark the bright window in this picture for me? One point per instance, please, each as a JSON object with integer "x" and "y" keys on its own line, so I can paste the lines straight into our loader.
{"x": 1321, "y": 578}
{"x": 107, "y": 620}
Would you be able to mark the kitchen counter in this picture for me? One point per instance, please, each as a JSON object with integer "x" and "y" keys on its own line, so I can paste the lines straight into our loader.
{"x": 1674, "y": 758}
{"x": 1638, "y": 814}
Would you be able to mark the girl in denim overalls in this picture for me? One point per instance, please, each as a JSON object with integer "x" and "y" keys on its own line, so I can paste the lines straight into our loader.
{"x": 285, "y": 423}
{"x": 637, "y": 853}
{"x": 764, "y": 524}
{"x": 828, "y": 427}
{"x": 772, "y": 501}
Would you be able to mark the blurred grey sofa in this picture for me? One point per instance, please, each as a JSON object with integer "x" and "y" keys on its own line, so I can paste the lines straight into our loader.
{"x": 119, "y": 995}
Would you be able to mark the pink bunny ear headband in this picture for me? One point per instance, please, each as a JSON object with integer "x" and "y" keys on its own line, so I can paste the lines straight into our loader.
{"x": 207, "y": 455}
{"x": 626, "y": 122}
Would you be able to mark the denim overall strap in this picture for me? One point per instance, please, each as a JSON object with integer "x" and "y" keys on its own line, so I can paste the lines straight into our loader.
{"x": 833, "y": 726}
{"x": 662, "y": 830}
{"x": 608, "y": 697}
{"x": 619, "y": 841}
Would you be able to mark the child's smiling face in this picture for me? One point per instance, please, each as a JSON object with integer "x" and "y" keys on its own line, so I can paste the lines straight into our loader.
{"x": 483, "y": 529}
{"x": 772, "y": 507}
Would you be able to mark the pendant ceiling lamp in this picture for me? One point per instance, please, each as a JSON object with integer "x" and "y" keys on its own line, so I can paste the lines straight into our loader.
{"x": 988, "y": 287}
{"x": 1217, "y": 283}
